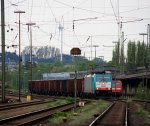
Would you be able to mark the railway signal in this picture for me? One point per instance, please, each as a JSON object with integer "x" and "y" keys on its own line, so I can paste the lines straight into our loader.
{"x": 75, "y": 51}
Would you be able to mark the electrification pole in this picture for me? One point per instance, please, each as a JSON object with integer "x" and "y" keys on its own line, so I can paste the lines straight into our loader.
{"x": 144, "y": 61}
{"x": 61, "y": 30}
{"x": 91, "y": 48}
{"x": 119, "y": 30}
{"x": 3, "y": 48}
{"x": 19, "y": 70}
{"x": 148, "y": 32}
{"x": 95, "y": 49}
{"x": 30, "y": 28}
{"x": 148, "y": 42}
{"x": 143, "y": 34}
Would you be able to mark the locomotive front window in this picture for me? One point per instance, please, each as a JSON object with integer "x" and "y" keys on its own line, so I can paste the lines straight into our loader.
{"x": 117, "y": 84}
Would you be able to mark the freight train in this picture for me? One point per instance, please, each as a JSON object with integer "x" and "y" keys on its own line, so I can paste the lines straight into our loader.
{"x": 90, "y": 85}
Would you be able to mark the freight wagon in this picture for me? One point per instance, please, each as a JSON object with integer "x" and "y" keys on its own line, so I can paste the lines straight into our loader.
{"x": 57, "y": 87}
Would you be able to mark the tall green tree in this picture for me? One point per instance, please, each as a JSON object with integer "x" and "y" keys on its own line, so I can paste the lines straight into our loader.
{"x": 115, "y": 57}
{"x": 137, "y": 55}
{"x": 131, "y": 54}
{"x": 141, "y": 56}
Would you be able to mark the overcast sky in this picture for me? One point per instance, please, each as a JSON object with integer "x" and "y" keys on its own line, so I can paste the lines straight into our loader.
{"x": 95, "y": 18}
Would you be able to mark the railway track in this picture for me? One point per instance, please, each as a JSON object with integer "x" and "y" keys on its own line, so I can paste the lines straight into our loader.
{"x": 114, "y": 115}
{"x": 17, "y": 105}
{"x": 33, "y": 117}
{"x": 34, "y": 96}
{"x": 25, "y": 95}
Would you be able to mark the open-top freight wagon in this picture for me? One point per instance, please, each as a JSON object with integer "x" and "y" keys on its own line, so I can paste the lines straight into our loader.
{"x": 57, "y": 86}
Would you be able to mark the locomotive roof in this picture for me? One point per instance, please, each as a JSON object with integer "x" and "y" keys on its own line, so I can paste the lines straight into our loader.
{"x": 104, "y": 69}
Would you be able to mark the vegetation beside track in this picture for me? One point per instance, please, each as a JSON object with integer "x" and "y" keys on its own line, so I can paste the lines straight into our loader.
{"x": 142, "y": 92}
{"x": 142, "y": 112}
{"x": 60, "y": 102}
{"x": 138, "y": 114}
{"x": 81, "y": 115}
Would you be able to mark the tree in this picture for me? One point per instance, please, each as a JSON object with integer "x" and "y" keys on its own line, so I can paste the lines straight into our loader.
{"x": 131, "y": 54}
{"x": 137, "y": 54}
{"x": 42, "y": 52}
{"x": 141, "y": 56}
{"x": 115, "y": 57}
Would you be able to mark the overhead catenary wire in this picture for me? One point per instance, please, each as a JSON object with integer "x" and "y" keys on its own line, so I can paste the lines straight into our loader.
{"x": 114, "y": 11}
{"x": 49, "y": 28}
{"x": 31, "y": 9}
{"x": 14, "y": 4}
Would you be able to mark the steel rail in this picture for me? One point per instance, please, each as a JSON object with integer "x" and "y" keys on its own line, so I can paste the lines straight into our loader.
{"x": 103, "y": 113}
{"x": 28, "y": 118}
{"x": 13, "y": 106}
{"x": 106, "y": 112}
{"x": 17, "y": 117}
{"x": 126, "y": 116}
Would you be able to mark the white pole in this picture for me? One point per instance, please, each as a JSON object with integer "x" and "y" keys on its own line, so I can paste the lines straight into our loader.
{"x": 91, "y": 48}
{"x": 148, "y": 32}
{"x": 119, "y": 30}
{"x": 61, "y": 30}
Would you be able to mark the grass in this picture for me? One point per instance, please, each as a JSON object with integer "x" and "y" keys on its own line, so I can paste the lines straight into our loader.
{"x": 57, "y": 117}
{"x": 60, "y": 102}
{"x": 142, "y": 112}
{"x": 89, "y": 110}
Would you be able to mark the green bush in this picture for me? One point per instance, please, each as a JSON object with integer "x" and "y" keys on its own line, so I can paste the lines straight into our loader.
{"x": 59, "y": 114}
{"x": 142, "y": 92}
{"x": 57, "y": 118}
{"x": 57, "y": 103}
{"x": 69, "y": 99}
{"x": 142, "y": 112}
